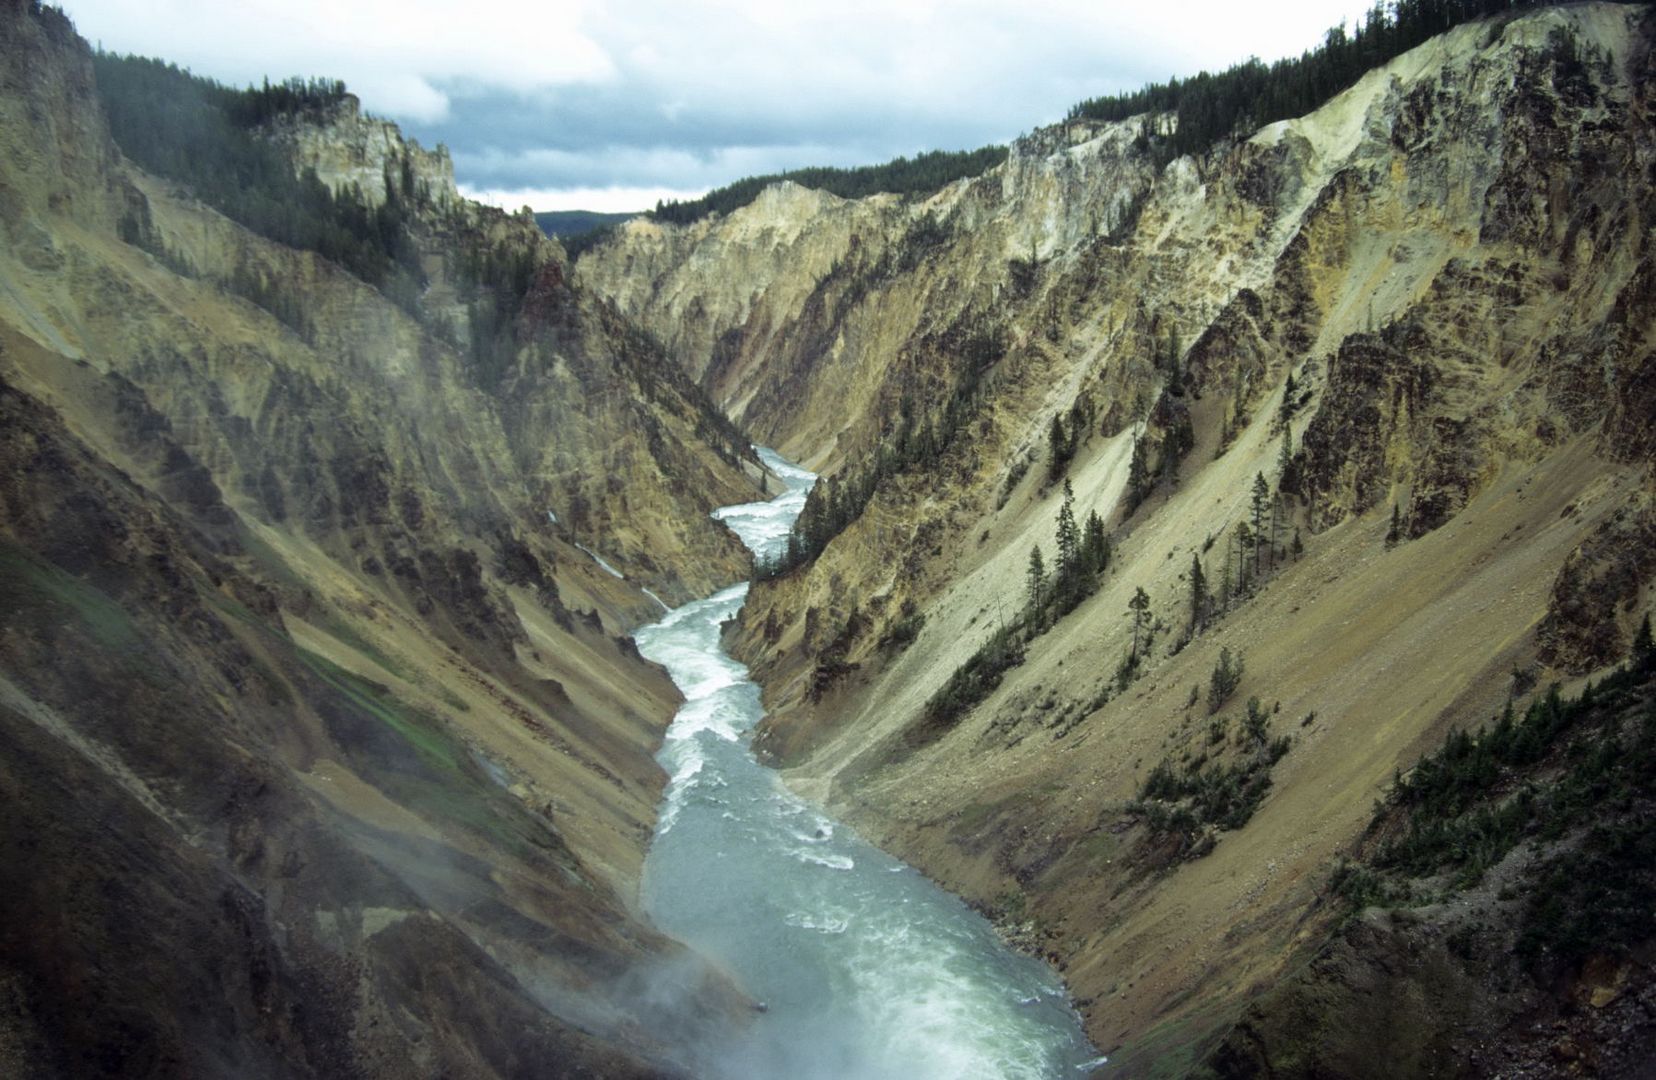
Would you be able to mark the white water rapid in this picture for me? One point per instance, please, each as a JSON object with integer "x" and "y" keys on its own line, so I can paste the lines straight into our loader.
{"x": 867, "y": 970}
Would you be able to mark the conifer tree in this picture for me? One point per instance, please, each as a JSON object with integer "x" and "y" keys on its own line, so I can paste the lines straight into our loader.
{"x": 1069, "y": 542}
{"x": 1287, "y": 470}
{"x": 1095, "y": 545}
{"x": 1260, "y": 504}
{"x": 1138, "y": 476}
{"x": 1139, "y": 608}
{"x": 1285, "y": 412}
{"x": 1644, "y": 648}
{"x": 1223, "y": 682}
{"x": 1272, "y": 545}
{"x": 1198, "y": 593}
{"x": 1175, "y": 366}
{"x": 1068, "y": 568}
{"x": 1059, "y": 449}
{"x": 1226, "y": 585}
{"x": 1395, "y": 532}
{"x": 1037, "y": 578}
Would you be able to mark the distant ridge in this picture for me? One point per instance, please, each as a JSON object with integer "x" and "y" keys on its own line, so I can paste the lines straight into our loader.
{"x": 578, "y": 230}
{"x": 564, "y": 224}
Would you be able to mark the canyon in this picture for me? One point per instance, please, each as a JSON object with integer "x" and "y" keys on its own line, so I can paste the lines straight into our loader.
{"x": 327, "y": 747}
{"x": 1446, "y": 268}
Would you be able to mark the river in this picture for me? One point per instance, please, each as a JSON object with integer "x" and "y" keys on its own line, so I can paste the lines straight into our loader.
{"x": 867, "y": 970}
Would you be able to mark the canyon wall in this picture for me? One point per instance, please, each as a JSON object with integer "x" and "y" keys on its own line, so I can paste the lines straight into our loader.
{"x": 326, "y": 751}
{"x": 1446, "y": 271}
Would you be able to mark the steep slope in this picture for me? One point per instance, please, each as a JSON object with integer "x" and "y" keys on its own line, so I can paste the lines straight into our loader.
{"x": 1451, "y": 260}
{"x": 325, "y": 751}
{"x": 1505, "y": 886}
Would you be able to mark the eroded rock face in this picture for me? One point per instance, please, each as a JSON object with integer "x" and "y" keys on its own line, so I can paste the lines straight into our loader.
{"x": 192, "y": 883}
{"x": 1597, "y": 592}
{"x": 1452, "y": 261}
{"x": 322, "y": 749}
{"x": 347, "y": 148}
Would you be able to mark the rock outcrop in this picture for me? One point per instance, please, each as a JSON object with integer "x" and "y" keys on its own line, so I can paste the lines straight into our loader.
{"x": 347, "y": 148}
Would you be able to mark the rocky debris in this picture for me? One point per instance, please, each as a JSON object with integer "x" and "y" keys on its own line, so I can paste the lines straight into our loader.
{"x": 1592, "y": 611}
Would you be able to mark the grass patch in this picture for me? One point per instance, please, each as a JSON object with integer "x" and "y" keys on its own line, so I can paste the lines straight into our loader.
{"x": 268, "y": 558}
{"x": 375, "y": 700}
{"x": 30, "y": 582}
{"x": 344, "y": 633}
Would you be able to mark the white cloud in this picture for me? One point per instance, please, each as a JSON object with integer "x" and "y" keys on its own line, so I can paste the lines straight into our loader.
{"x": 635, "y": 95}
{"x": 394, "y": 53}
{"x": 608, "y": 200}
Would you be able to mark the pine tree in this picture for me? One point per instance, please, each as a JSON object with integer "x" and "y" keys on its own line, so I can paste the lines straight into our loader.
{"x": 1272, "y": 544}
{"x": 1395, "y": 533}
{"x": 1239, "y": 392}
{"x": 1198, "y": 593}
{"x": 1095, "y": 545}
{"x": 1644, "y": 648}
{"x": 1244, "y": 544}
{"x": 1287, "y": 469}
{"x": 1062, "y": 448}
{"x": 1069, "y": 539}
{"x": 1261, "y": 502}
{"x": 1227, "y": 674}
{"x": 1138, "y": 476}
{"x": 1175, "y": 365}
{"x": 1037, "y": 578}
{"x": 1226, "y": 585}
{"x": 1139, "y": 608}
{"x": 1285, "y": 412}
{"x": 1298, "y": 548}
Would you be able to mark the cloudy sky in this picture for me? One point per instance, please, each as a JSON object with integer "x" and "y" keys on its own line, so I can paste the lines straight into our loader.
{"x": 612, "y": 104}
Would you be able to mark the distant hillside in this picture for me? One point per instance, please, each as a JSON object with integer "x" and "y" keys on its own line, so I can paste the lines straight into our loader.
{"x": 578, "y": 230}
{"x": 923, "y": 173}
{"x": 567, "y": 223}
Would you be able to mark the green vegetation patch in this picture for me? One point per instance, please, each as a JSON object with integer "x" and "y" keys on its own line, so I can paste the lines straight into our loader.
{"x": 419, "y": 731}
{"x": 346, "y": 634}
{"x": 443, "y": 783}
{"x": 1083, "y": 556}
{"x": 978, "y": 344}
{"x": 30, "y": 582}
{"x": 1216, "y": 789}
{"x": 1577, "y": 777}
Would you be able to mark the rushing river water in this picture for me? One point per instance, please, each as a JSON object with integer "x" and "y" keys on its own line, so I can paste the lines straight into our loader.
{"x": 868, "y": 971}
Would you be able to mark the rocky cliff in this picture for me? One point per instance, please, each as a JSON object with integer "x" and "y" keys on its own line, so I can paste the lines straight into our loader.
{"x": 347, "y": 147}
{"x": 325, "y": 751}
{"x": 1417, "y": 322}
